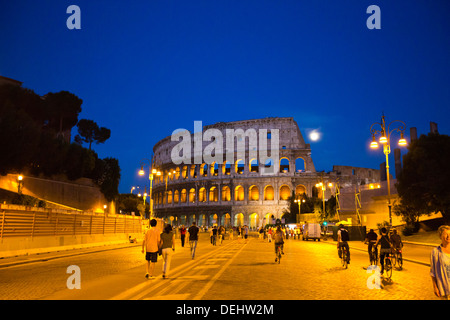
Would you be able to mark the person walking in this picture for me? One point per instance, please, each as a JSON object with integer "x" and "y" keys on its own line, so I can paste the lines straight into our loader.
{"x": 440, "y": 264}
{"x": 214, "y": 235}
{"x": 182, "y": 235}
{"x": 167, "y": 248}
{"x": 221, "y": 234}
{"x": 151, "y": 244}
{"x": 245, "y": 233}
{"x": 193, "y": 238}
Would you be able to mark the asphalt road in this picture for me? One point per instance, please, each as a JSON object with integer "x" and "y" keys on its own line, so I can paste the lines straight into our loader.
{"x": 237, "y": 270}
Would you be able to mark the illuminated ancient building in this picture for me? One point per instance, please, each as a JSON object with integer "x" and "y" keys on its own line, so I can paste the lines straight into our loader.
{"x": 242, "y": 187}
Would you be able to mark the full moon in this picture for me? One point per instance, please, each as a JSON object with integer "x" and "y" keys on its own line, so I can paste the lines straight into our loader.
{"x": 314, "y": 136}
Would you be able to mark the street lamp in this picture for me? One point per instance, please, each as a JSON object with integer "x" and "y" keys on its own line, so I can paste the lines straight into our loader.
{"x": 151, "y": 174}
{"x": 323, "y": 186}
{"x": 299, "y": 201}
{"x": 19, "y": 184}
{"x": 385, "y": 138}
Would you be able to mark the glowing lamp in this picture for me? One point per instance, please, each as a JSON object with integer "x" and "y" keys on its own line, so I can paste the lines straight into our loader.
{"x": 402, "y": 141}
{"x": 373, "y": 144}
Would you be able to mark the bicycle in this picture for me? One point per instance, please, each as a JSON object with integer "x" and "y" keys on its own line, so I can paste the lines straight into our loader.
{"x": 388, "y": 267}
{"x": 373, "y": 255}
{"x": 278, "y": 258}
{"x": 397, "y": 254}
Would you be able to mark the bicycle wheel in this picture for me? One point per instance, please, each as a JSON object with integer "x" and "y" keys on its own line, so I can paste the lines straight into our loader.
{"x": 400, "y": 260}
{"x": 279, "y": 255}
{"x": 388, "y": 267}
{"x": 393, "y": 256}
{"x": 375, "y": 255}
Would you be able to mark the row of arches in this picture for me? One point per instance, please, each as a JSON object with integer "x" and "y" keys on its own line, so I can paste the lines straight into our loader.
{"x": 239, "y": 167}
{"x": 253, "y": 220}
{"x": 225, "y": 193}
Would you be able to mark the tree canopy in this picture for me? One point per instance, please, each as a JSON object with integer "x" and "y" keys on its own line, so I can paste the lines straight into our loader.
{"x": 422, "y": 183}
{"x": 30, "y": 134}
{"x": 89, "y": 132}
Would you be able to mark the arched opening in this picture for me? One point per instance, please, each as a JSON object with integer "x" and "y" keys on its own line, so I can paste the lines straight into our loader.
{"x": 226, "y": 168}
{"x": 239, "y": 220}
{"x": 269, "y": 218}
{"x": 254, "y": 193}
{"x": 239, "y": 166}
{"x": 169, "y": 197}
{"x": 213, "y": 219}
{"x": 184, "y": 172}
{"x": 213, "y": 194}
{"x": 269, "y": 193}
{"x": 202, "y": 220}
{"x": 254, "y": 221}
{"x": 204, "y": 170}
{"x": 226, "y": 194}
{"x": 176, "y": 196}
{"x": 202, "y": 195}
{"x": 192, "y": 195}
{"x": 284, "y": 165}
{"x": 285, "y": 192}
{"x": 300, "y": 165}
{"x": 193, "y": 171}
{"x": 183, "y": 195}
{"x": 214, "y": 169}
{"x": 226, "y": 220}
{"x": 254, "y": 165}
{"x": 239, "y": 193}
{"x": 300, "y": 189}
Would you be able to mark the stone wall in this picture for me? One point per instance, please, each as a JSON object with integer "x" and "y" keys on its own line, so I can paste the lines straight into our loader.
{"x": 81, "y": 194}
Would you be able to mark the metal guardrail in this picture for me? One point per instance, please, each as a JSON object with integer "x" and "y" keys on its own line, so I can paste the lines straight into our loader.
{"x": 21, "y": 221}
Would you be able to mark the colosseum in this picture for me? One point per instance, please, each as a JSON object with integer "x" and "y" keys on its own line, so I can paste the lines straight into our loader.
{"x": 242, "y": 185}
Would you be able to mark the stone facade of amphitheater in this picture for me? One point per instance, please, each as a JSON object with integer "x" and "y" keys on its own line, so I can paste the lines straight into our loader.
{"x": 238, "y": 193}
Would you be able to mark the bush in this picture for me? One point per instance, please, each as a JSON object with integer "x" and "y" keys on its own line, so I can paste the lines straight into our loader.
{"x": 410, "y": 229}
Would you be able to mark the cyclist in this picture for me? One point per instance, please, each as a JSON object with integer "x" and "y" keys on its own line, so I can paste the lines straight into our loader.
{"x": 279, "y": 237}
{"x": 396, "y": 240}
{"x": 385, "y": 249}
{"x": 371, "y": 239}
{"x": 343, "y": 237}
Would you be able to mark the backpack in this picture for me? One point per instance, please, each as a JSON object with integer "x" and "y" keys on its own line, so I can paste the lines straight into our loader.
{"x": 344, "y": 235}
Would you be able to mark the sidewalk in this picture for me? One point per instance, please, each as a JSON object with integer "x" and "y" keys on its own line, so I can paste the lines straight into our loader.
{"x": 39, "y": 257}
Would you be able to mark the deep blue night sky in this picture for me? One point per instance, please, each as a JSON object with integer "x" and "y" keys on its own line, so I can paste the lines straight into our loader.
{"x": 146, "y": 68}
